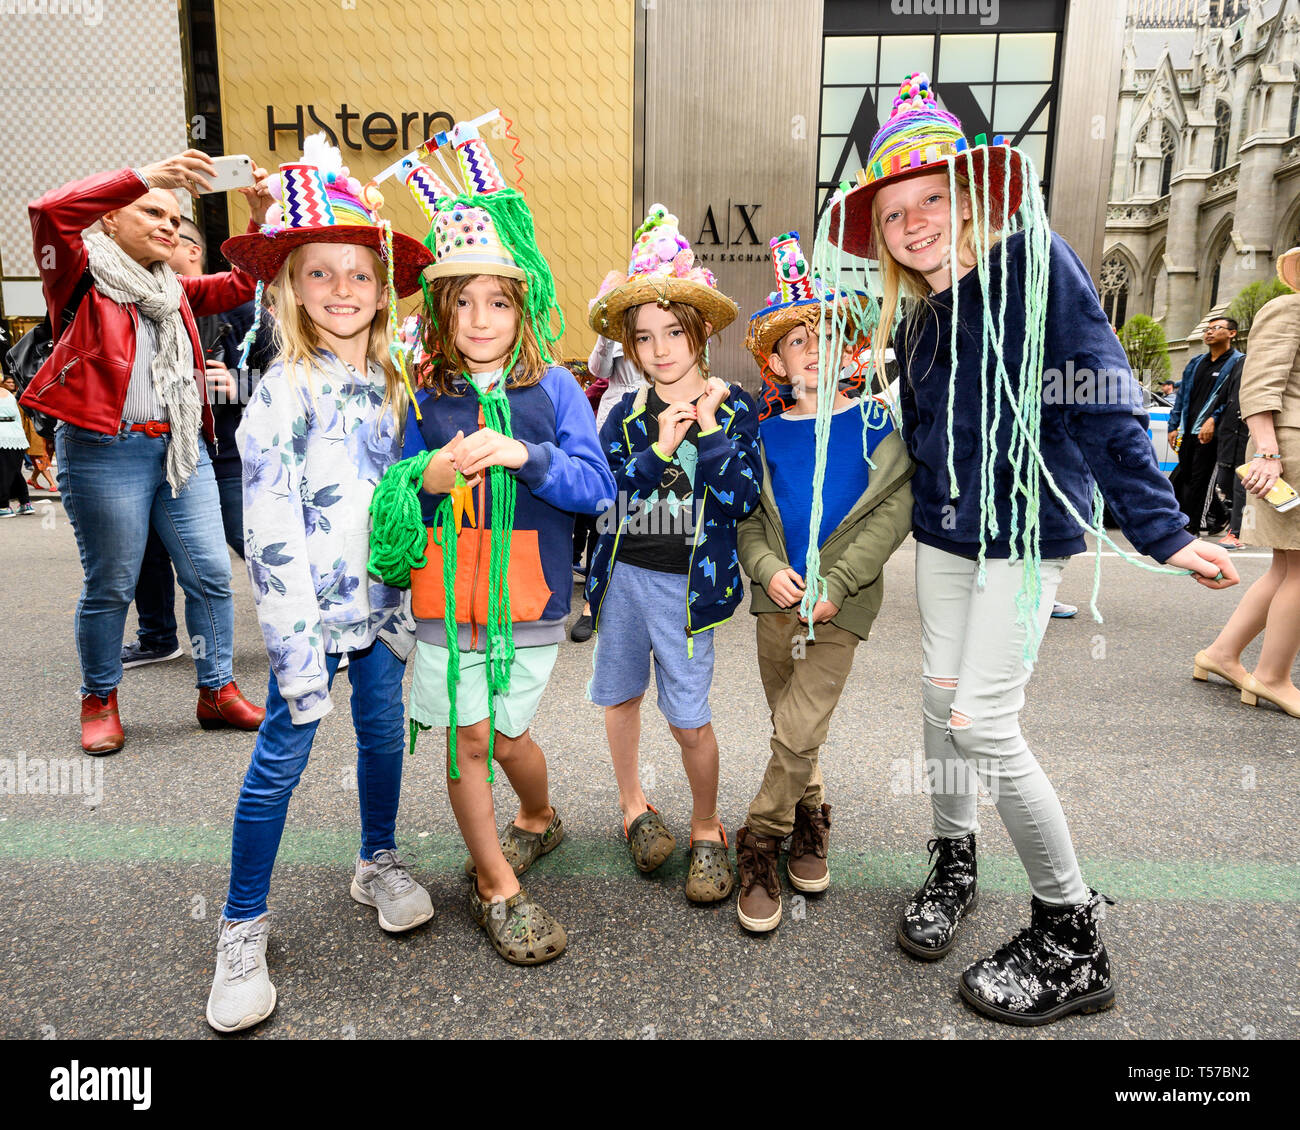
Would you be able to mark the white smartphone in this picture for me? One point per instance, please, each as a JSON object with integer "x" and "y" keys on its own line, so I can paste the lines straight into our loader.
{"x": 232, "y": 172}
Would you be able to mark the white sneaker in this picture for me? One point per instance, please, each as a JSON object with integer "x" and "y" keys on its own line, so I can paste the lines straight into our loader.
{"x": 242, "y": 994}
{"x": 386, "y": 884}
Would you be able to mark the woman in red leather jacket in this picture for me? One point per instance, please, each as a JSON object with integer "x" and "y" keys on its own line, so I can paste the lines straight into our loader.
{"x": 127, "y": 381}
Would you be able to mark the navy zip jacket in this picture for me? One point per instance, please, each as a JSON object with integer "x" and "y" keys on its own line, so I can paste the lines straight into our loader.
{"x": 565, "y": 474}
{"x": 727, "y": 477}
{"x": 1093, "y": 421}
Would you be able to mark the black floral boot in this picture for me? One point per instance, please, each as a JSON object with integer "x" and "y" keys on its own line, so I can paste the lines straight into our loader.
{"x": 1058, "y": 965}
{"x": 928, "y": 925}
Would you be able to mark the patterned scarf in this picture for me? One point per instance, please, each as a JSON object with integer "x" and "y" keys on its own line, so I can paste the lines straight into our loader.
{"x": 157, "y": 294}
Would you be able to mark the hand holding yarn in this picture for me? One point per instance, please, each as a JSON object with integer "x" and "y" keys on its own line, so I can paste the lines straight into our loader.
{"x": 440, "y": 474}
{"x": 823, "y": 610}
{"x": 1209, "y": 564}
{"x": 489, "y": 448}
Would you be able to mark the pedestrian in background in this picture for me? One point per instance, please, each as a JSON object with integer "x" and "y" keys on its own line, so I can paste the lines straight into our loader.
{"x": 1194, "y": 417}
{"x": 1270, "y": 407}
{"x": 228, "y": 390}
{"x": 13, "y": 445}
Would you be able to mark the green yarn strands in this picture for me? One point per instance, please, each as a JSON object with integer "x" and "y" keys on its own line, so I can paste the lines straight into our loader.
{"x": 444, "y": 535}
{"x": 397, "y": 537}
{"x": 514, "y": 223}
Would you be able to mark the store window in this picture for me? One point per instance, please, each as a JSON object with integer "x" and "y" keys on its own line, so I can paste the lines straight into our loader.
{"x": 995, "y": 81}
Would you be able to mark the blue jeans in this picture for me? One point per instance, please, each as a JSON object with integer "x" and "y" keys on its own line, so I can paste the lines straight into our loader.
{"x": 114, "y": 488}
{"x": 155, "y": 591}
{"x": 280, "y": 755}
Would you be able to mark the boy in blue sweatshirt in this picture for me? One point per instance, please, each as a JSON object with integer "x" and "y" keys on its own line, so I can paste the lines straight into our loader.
{"x": 807, "y": 635}
{"x": 665, "y": 570}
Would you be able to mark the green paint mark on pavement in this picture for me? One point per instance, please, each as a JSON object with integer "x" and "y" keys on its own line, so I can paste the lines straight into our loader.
{"x": 94, "y": 842}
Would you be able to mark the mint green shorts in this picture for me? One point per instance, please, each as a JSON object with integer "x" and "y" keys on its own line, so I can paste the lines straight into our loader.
{"x": 529, "y": 674}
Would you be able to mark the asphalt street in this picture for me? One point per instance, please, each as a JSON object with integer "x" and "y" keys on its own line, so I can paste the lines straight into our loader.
{"x": 1183, "y": 805}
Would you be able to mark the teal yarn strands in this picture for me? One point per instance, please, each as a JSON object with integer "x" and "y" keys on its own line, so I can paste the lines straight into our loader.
{"x": 249, "y": 338}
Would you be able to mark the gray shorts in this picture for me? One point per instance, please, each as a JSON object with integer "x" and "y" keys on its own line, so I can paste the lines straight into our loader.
{"x": 643, "y": 615}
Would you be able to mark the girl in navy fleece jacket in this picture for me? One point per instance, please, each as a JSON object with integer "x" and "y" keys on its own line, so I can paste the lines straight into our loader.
{"x": 993, "y": 535}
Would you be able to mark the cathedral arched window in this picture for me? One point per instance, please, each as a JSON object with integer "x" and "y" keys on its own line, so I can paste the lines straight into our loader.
{"x": 1222, "y": 127}
{"x": 1114, "y": 289}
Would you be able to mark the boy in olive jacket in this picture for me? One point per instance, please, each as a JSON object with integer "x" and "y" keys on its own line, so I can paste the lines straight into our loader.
{"x": 865, "y": 514}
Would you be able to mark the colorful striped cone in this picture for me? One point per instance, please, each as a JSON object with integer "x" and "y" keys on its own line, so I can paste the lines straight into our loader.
{"x": 303, "y": 197}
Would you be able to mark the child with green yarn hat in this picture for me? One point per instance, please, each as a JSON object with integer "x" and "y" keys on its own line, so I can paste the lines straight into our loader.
{"x": 501, "y": 453}
{"x": 840, "y": 526}
{"x": 1020, "y": 412}
{"x": 664, "y": 572}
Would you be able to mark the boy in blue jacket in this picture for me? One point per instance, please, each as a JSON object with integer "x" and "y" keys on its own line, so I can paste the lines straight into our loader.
{"x": 685, "y": 457}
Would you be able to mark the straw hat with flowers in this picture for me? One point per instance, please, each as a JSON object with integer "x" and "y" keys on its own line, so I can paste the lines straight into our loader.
{"x": 662, "y": 270}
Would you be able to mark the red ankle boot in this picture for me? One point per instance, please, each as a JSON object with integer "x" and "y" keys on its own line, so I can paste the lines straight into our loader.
{"x": 101, "y": 728}
{"x": 226, "y": 706}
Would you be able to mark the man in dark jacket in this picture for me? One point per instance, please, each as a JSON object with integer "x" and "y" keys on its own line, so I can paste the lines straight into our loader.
{"x": 1195, "y": 417}
{"x": 1231, "y": 453}
{"x": 229, "y": 389}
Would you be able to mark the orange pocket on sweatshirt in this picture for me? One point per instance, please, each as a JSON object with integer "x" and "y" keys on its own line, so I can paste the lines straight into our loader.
{"x": 524, "y": 578}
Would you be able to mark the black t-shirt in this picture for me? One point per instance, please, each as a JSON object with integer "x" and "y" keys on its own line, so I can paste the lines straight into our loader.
{"x": 1207, "y": 372}
{"x": 659, "y": 534}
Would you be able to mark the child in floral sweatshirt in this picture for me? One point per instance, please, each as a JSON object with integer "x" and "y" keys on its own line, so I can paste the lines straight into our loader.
{"x": 319, "y": 434}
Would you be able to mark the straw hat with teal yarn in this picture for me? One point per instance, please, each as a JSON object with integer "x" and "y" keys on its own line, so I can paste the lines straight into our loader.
{"x": 917, "y": 139}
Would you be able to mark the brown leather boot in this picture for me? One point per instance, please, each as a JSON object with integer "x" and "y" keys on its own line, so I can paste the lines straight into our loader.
{"x": 226, "y": 706}
{"x": 759, "y": 904}
{"x": 101, "y": 728}
{"x": 806, "y": 863}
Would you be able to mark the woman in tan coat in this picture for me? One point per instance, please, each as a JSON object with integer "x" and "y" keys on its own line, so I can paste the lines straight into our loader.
{"x": 1270, "y": 406}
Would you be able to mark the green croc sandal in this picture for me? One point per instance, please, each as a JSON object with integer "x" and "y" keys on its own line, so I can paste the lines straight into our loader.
{"x": 649, "y": 840}
{"x": 710, "y": 878}
{"x": 523, "y": 849}
{"x": 519, "y": 930}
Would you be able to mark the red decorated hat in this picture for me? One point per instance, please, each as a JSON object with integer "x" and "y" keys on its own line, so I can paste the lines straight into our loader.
{"x": 919, "y": 138}
{"x": 318, "y": 201}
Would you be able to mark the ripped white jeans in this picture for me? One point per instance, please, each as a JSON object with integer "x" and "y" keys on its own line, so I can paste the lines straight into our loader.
{"x": 973, "y": 688}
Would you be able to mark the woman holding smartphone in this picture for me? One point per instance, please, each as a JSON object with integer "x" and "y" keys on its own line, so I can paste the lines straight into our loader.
{"x": 127, "y": 381}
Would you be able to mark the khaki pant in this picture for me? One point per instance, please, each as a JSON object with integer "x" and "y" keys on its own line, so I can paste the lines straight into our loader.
{"x": 803, "y": 680}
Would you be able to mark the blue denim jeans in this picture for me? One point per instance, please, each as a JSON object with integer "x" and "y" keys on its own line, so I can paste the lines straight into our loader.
{"x": 280, "y": 755}
{"x": 155, "y": 591}
{"x": 114, "y": 488}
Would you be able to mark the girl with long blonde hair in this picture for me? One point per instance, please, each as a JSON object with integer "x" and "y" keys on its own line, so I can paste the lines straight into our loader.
{"x": 322, "y": 428}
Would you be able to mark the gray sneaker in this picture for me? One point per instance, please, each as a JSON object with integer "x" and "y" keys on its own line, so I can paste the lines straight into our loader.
{"x": 386, "y": 884}
{"x": 242, "y": 994}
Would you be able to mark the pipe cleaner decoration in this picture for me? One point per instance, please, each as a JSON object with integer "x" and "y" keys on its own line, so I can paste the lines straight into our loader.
{"x": 1005, "y": 197}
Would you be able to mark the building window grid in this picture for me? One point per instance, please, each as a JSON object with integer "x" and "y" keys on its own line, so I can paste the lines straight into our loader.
{"x": 873, "y": 86}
